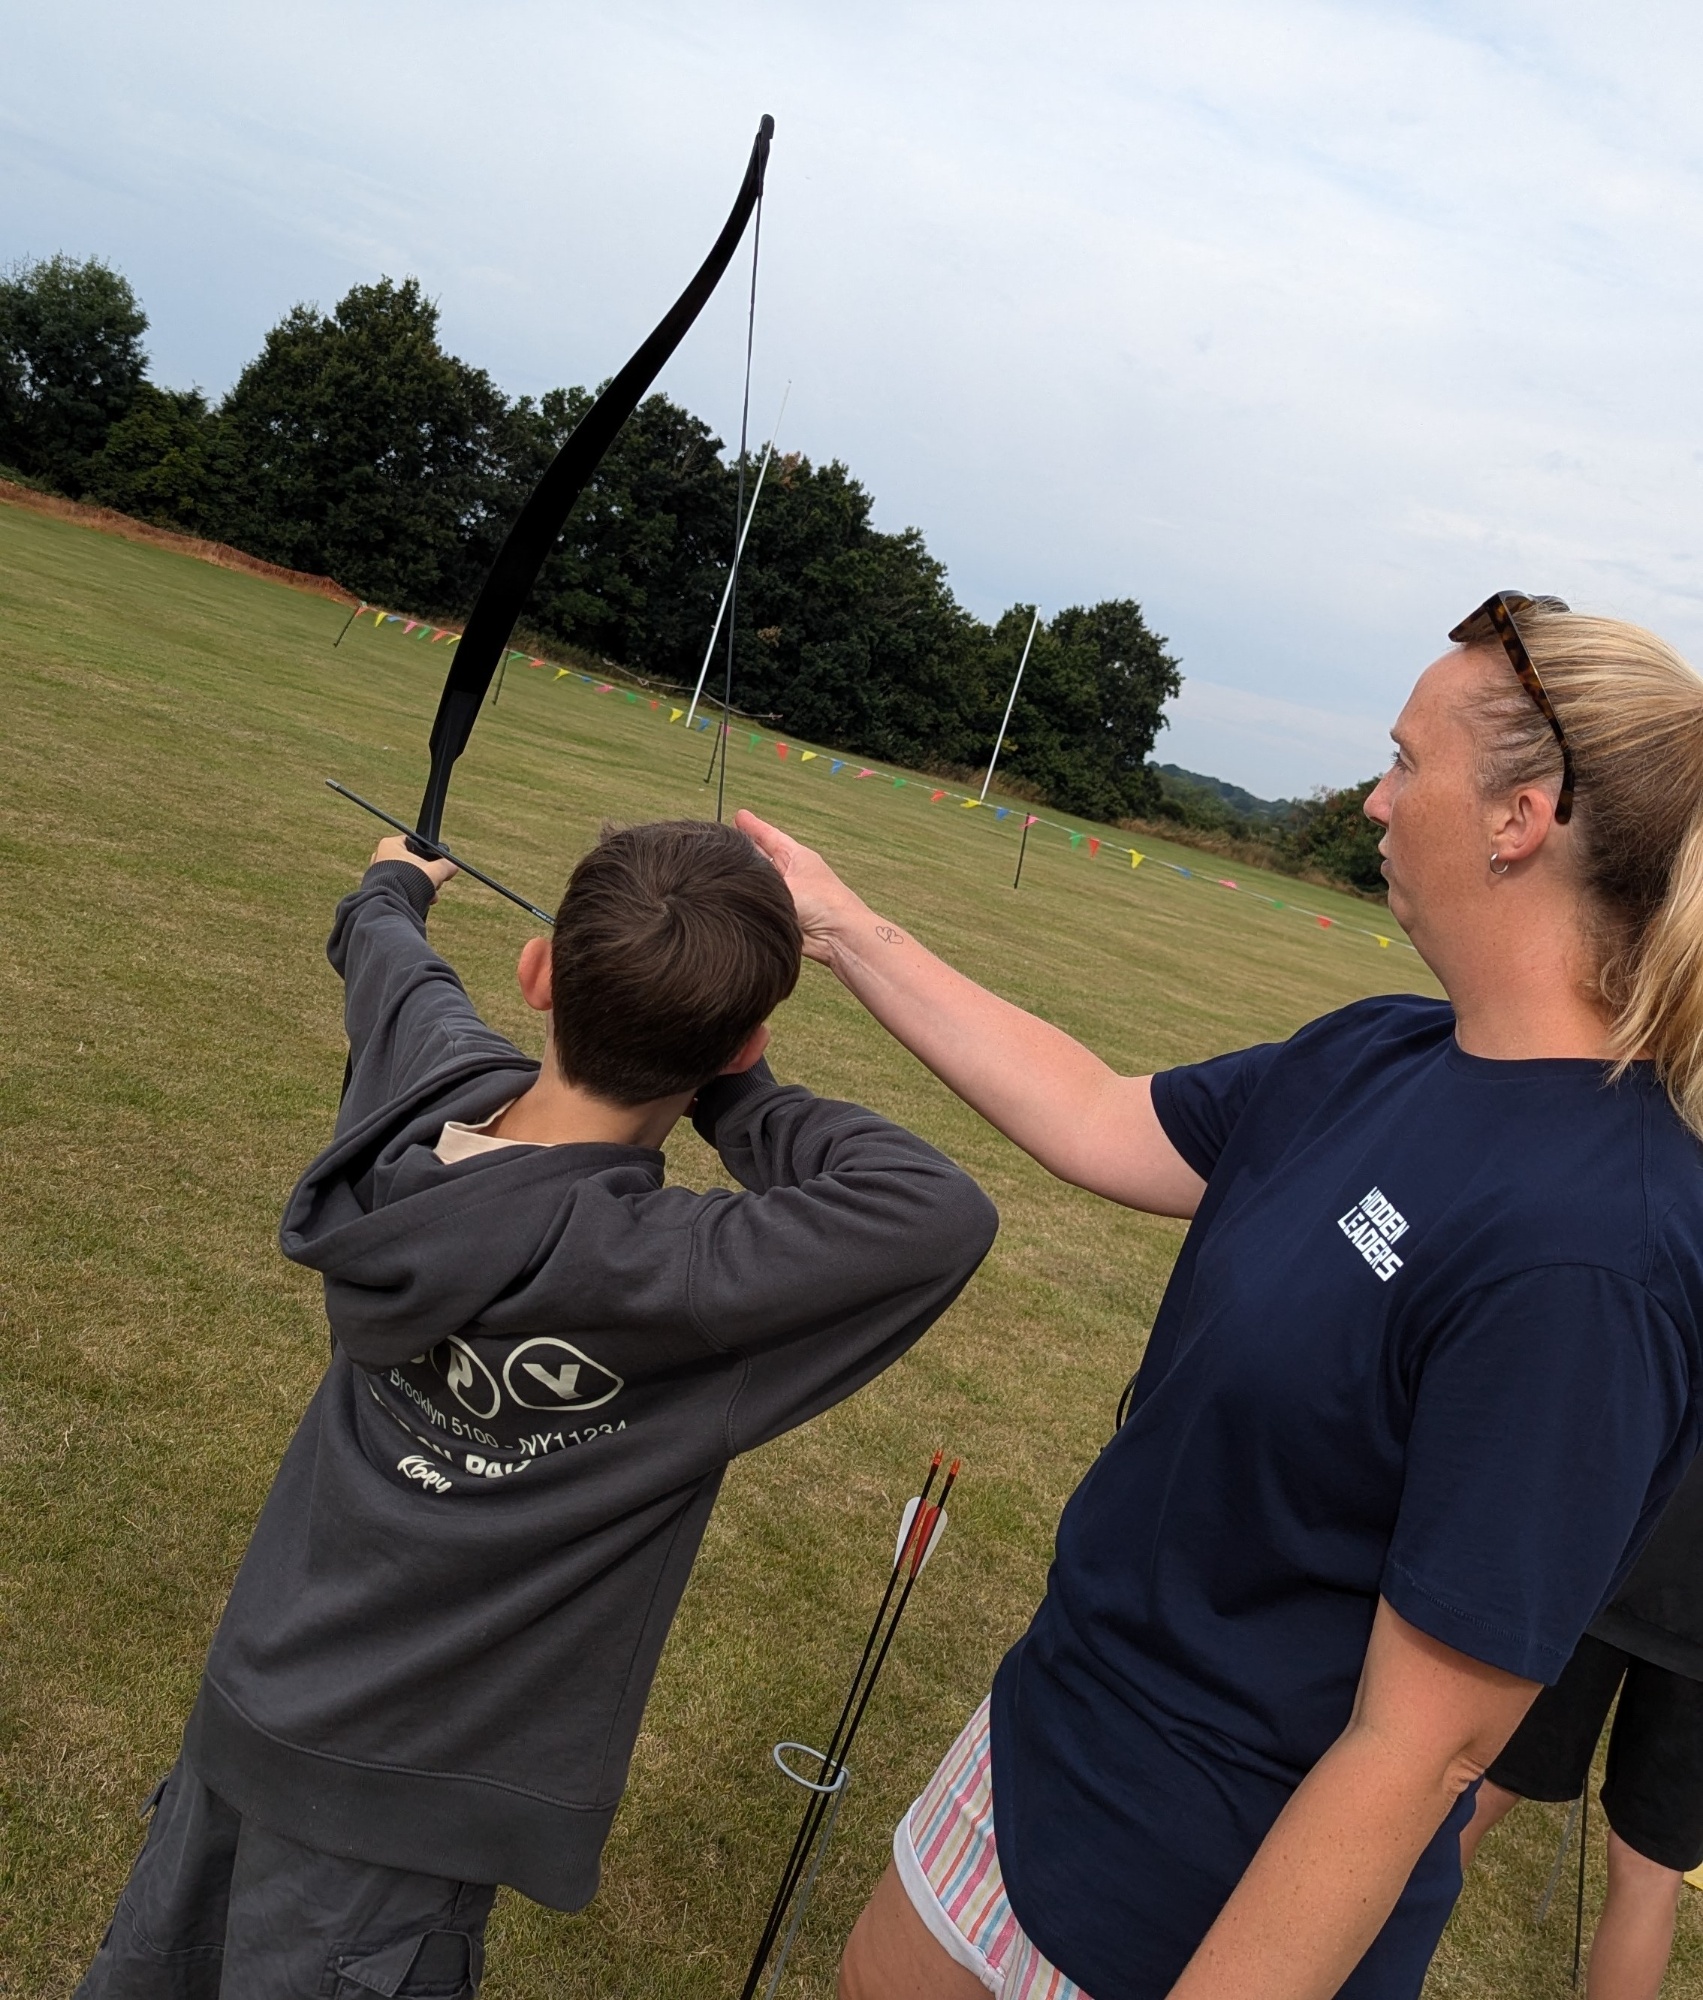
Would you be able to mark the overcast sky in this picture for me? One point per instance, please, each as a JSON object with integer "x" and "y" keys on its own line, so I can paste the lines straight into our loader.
{"x": 1305, "y": 324}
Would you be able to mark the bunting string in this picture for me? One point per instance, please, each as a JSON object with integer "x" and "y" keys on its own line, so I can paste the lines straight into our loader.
{"x": 1078, "y": 839}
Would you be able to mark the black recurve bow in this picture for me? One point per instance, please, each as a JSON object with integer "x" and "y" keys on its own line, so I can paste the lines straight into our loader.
{"x": 533, "y": 535}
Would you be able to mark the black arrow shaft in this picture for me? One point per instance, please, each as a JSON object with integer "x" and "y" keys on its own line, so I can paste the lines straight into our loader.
{"x": 913, "y": 1549}
{"x": 434, "y": 850}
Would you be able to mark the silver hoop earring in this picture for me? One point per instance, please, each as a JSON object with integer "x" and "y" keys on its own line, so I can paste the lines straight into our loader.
{"x": 1494, "y": 858}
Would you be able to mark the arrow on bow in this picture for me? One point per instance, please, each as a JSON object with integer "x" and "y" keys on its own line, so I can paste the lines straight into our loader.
{"x": 541, "y": 520}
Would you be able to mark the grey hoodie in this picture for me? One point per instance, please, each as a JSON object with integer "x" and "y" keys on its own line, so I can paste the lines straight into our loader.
{"x": 438, "y": 1647}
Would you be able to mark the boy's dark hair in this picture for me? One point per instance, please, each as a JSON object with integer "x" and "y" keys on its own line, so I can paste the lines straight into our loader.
{"x": 674, "y": 941}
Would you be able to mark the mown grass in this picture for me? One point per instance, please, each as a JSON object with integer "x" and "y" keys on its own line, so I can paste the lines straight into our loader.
{"x": 168, "y": 864}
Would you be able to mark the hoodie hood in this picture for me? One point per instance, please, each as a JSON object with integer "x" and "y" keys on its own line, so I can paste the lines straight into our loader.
{"x": 412, "y": 1251}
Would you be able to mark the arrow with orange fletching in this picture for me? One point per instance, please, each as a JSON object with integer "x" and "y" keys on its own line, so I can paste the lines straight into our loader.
{"x": 920, "y": 1528}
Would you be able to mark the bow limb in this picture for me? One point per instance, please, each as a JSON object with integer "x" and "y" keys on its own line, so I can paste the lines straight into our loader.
{"x": 541, "y": 520}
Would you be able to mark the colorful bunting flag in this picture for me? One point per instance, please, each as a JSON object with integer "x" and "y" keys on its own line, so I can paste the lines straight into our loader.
{"x": 1076, "y": 836}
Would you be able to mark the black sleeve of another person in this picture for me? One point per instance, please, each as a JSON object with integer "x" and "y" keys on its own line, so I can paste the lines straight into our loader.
{"x": 1657, "y": 1614}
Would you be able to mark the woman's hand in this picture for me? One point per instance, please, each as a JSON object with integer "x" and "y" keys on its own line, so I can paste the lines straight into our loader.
{"x": 826, "y": 907}
{"x": 1044, "y": 1091}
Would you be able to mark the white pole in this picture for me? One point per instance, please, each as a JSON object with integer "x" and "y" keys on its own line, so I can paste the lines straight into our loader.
{"x": 721, "y": 608}
{"x": 1012, "y": 703}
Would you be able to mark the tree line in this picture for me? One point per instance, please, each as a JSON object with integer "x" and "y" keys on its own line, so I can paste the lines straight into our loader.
{"x": 354, "y": 446}
{"x": 1326, "y": 836}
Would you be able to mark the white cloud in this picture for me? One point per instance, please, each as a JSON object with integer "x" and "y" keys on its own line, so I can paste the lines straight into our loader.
{"x": 1305, "y": 324}
{"x": 1272, "y": 747}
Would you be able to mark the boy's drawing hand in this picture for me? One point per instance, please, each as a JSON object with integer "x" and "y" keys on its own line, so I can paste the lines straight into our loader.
{"x": 826, "y": 907}
{"x": 394, "y": 848}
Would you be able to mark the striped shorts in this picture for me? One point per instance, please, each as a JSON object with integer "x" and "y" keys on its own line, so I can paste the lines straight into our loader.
{"x": 944, "y": 1851}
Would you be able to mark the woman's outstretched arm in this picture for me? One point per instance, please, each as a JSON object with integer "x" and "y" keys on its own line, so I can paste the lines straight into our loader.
{"x": 1043, "y": 1090}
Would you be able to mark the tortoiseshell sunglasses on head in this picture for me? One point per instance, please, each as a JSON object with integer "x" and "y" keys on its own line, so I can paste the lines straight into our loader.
{"x": 1496, "y": 614}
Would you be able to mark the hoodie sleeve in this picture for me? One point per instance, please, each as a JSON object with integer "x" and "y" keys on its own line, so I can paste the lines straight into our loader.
{"x": 404, "y": 1010}
{"x": 852, "y": 1238}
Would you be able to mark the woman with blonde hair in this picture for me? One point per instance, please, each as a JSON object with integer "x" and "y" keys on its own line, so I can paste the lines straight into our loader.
{"x": 1428, "y": 1367}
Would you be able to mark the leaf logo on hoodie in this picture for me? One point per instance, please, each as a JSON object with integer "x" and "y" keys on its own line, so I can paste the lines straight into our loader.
{"x": 547, "y": 1374}
{"x": 471, "y": 1383}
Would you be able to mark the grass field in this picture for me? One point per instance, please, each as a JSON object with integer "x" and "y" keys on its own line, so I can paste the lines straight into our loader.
{"x": 172, "y": 1053}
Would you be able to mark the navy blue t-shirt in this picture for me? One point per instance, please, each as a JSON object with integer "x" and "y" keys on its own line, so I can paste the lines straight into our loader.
{"x": 1434, "y": 1335}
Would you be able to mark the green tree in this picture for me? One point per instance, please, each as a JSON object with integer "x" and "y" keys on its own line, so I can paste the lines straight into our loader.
{"x": 71, "y": 363}
{"x": 157, "y": 459}
{"x": 1090, "y": 707}
{"x": 840, "y": 631}
{"x": 848, "y": 633}
{"x": 641, "y": 561}
{"x": 354, "y": 446}
{"x": 1331, "y": 833}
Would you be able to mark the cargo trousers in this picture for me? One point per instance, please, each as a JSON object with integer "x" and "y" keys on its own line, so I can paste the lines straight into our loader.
{"x": 220, "y": 1908}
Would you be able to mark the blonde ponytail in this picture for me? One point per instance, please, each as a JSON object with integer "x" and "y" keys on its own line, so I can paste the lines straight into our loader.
{"x": 1662, "y": 1013}
{"x": 1632, "y": 711}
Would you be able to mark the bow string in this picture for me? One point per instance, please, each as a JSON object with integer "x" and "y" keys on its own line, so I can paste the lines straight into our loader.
{"x": 533, "y": 535}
